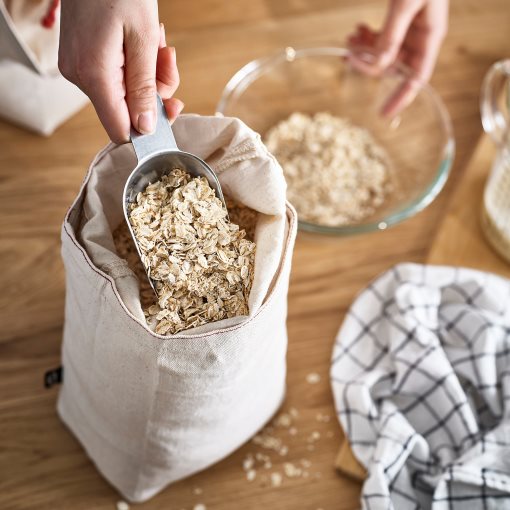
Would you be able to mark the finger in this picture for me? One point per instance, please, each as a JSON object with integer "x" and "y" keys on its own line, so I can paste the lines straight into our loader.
{"x": 400, "y": 16}
{"x": 363, "y": 36}
{"x": 423, "y": 59}
{"x": 362, "y": 47}
{"x": 167, "y": 74}
{"x": 428, "y": 38}
{"x": 173, "y": 108}
{"x": 401, "y": 98}
{"x": 103, "y": 82}
{"x": 364, "y": 30}
{"x": 406, "y": 93}
{"x": 364, "y": 62}
{"x": 140, "y": 70}
{"x": 111, "y": 108}
{"x": 424, "y": 45}
{"x": 369, "y": 36}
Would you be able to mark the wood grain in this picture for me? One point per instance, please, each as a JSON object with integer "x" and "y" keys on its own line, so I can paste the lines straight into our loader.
{"x": 460, "y": 240}
{"x": 41, "y": 465}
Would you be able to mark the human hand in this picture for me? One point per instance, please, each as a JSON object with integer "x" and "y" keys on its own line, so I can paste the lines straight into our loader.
{"x": 115, "y": 51}
{"x": 412, "y": 34}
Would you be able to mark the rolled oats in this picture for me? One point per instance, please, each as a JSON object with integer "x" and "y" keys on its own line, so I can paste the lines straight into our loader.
{"x": 324, "y": 418}
{"x": 202, "y": 263}
{"x": 276, "y": 479}
{"x": 248, "y": 463}
{"x": 314, "y": 436}
{"x": 291, "y": 470}
{"x": 313, "y": 378}
{"x": 336, "y": 172}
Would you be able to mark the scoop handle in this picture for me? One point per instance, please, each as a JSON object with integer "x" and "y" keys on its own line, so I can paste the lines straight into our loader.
{"x": 161, "y": 140}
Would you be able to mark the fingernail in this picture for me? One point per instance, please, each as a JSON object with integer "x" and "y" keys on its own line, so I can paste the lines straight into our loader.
{"x": 162, "y": 33}
{"x": 146, "y": 123}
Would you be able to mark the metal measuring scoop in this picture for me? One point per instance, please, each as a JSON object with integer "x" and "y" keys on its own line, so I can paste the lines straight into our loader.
{"x": 158, "y": 154}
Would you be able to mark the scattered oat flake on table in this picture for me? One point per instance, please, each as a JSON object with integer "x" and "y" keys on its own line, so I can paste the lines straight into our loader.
{"x": 336, "y": 172}
{"x": 313, "y": 378}
{"x": 324, "y": 418}
{"x": 276, "y": 479}
{"x": 197, "y": 491}
{"x": 314, "y": 436}
{"x": 251, "y": 475}
{"x": 202, "y": 263}
{"x": 291, "y": 470}
{"x": 122, "y": 505}
{"x": 283, "y": 420}
{"x": 248, "y": 462}
{"x": 268, "y": 442}
{"x": 200, "y": 506}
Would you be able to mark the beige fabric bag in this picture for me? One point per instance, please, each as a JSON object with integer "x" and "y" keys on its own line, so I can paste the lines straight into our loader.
{"x": 33, "y": 93}
{"x": 149, "y": 409}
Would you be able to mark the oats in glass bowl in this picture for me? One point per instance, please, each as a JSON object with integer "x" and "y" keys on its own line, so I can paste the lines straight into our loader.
{"x": 336, "y": 172}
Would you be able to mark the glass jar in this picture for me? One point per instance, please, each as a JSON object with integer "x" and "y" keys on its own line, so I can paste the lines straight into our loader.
{"x": 495, "y": 109}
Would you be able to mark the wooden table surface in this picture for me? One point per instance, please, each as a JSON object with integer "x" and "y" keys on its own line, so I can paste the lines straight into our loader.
{"x": 41, "y": 465}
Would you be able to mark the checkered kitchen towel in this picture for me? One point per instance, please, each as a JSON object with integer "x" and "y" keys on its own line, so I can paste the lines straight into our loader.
{"x": 421, "y": 380}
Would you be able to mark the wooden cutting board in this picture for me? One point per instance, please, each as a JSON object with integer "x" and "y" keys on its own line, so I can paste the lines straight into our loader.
{"x": 459, "y": 242}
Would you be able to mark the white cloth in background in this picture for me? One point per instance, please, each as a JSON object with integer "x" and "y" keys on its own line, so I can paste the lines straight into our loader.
{"x": 33, "y": 93}
{"x": 42, "y": 42}
{"x": 421, "y": 379}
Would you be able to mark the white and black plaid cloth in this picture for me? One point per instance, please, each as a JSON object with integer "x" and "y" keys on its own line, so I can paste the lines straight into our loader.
{"x": 421, "y": 380}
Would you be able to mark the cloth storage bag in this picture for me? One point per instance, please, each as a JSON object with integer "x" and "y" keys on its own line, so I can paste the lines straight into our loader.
{"x": 149, "y": 409}
{"x": 33, "y": 93}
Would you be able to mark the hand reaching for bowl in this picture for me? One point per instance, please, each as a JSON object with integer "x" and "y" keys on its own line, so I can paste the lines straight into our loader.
{"x": 412, "y": 34}
{"x": 116, "y": 52}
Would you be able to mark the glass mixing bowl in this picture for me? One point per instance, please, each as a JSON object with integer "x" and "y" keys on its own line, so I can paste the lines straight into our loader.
{"x": 418, "y": 141}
